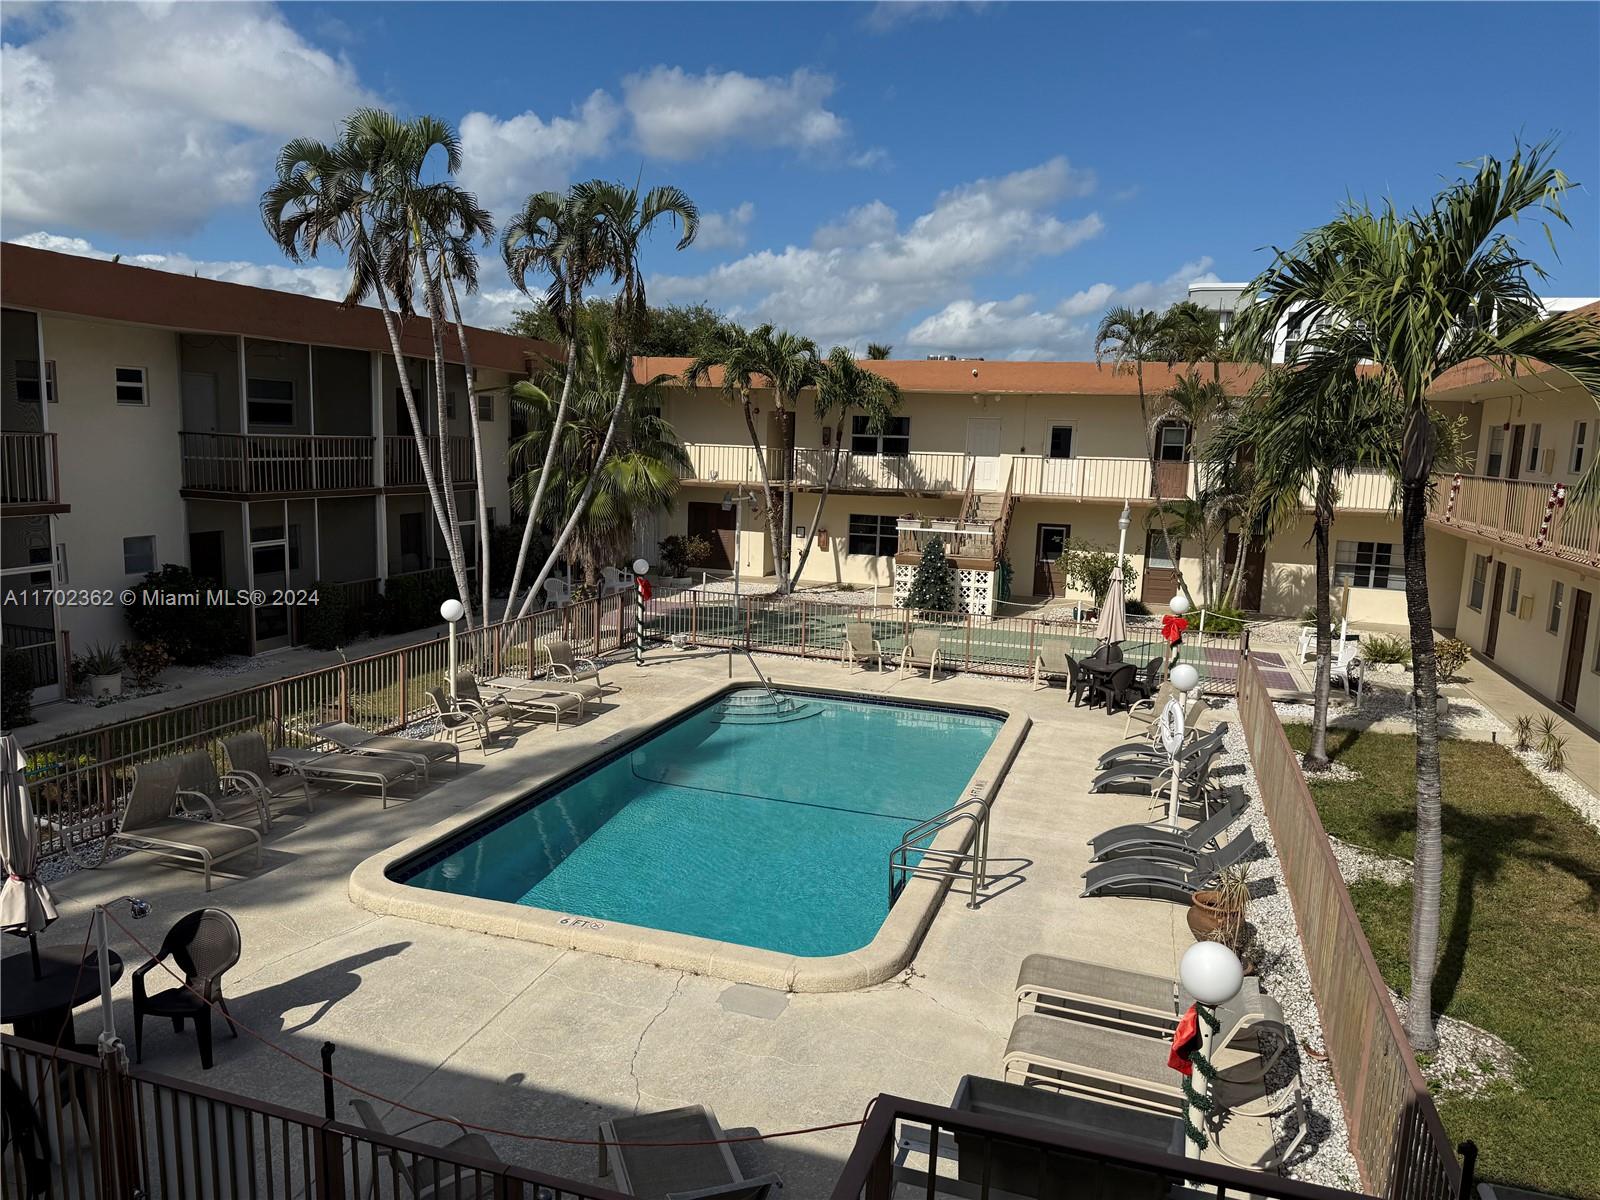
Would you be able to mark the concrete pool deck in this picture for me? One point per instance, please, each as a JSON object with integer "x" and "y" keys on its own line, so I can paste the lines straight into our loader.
{"x": 523, "y": 1036}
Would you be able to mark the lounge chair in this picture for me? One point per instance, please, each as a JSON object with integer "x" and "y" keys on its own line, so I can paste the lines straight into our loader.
{"x": 1149, "y": 750}
{"x": 231, "y": 798}
{"x": 469, "y": 699}
{"x": 677, "y": 1172}
{"x": 921, "y": 650}
{"x": 205, "y": 945}
{"x": 457, "y": 723}
{"x": 423, "y": 751}
{"x": 149, "y": 823}
{"x": 1156, "y": 841}
{"x": 1152, "y": 776}
{"x": 1110, "y": 1065}
{"x": 861, "y": 647}
{"x": 1165, "y": 880}
{"x": 1052, "y": 659}
{"x": 564, "y": 665}
{"x": 247, "y": 756}
{"x": 429, "y": 1180}
{"x": 524, "y": 697}
{"x": 381, "y": 771}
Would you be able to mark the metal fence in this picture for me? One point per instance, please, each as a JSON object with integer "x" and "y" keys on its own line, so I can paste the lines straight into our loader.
{"x": 1399, "y": 1142}
{"x": 77, "y": 1130}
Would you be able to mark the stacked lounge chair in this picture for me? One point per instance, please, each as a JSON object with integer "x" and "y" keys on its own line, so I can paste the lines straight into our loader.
{"x": 1163, "y": 842}
{"x": 349, "y": 770}
{"x": 1160, "y": 879}
{"x": 423, "y": 751}
{"x": 691, "y": 1162}
{"x": 515, "y": 698}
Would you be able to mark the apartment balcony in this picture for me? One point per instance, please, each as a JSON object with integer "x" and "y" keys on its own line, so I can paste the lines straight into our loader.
{"x": 923, "y": 473}
{"x": 268, "y": 465}
{"x": 1512, "y": 512}
{"x": 968, "y": 544}
{"x": 402, "y": 466}
{"x": 30, "y": 478}
{"x": 1037, "y": 477}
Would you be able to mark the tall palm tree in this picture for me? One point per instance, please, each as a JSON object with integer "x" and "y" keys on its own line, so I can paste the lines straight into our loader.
{"x": 622, "y": 217}
{"x": 364, "y": 195}
{"x": 554, "y": 235}
{"x": 1193, "y": 335}
{"x": 1201, "y": 405}
{"x": 733, "y": 351}
{"x": 1415, "y": 294}
{"x": 845, "y": 390}
{"x": 790, "y": 364}
{"x": 640, "y": 474}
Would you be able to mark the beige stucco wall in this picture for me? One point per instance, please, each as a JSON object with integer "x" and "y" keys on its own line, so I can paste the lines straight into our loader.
{"x": 1556, "y": 412}
{"x": 120, "y": 466}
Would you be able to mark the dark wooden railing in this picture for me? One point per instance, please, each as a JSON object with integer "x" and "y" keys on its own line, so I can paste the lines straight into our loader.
{"x": 257, "y": 463}
{"x": 28, "y": 469}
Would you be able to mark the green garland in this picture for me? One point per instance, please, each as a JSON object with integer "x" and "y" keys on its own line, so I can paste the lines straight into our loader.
{"x": 1194, "y": 1099}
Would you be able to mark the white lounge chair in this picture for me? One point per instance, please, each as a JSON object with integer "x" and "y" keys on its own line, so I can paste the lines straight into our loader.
{"x": 556, "y": 593}
{"x": 613, "y": 581}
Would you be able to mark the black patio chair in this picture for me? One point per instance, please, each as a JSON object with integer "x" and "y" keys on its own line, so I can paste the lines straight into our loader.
{"x": 1148, "y": 682}
{"x": 1117, "y": 689}
{"x": 1077, "y": 681}
{"x": 205, "y": 944}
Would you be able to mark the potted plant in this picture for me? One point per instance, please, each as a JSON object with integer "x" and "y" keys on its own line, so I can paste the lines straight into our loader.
{"x": 678, "y": 554}
{"x": 101, "y": 670}
{"x": 1220, "y": 910}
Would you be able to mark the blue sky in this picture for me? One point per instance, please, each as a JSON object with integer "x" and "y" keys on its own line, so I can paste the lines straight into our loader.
{"x": 981, "y": 179}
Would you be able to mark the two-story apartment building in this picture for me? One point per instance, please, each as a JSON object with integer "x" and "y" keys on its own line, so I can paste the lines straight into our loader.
{"x": 255, "y": 436}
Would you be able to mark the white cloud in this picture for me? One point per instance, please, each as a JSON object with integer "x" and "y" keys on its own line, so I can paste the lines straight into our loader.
{"x": 888, "y": 15}
{"x": 504, "y": 161}
{"x": 1017, "y": 328}
{"x": 680, "y": 116}
{"x": 863, "y": 274}
{"x": 137, "y": 119}
{"x": 725, "y": 230}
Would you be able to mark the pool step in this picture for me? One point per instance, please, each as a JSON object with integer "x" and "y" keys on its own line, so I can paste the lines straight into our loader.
{"x": 762, "y": 708}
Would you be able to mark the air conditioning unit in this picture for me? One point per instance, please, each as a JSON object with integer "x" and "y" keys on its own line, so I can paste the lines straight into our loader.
{"x": 1525, "y": 607}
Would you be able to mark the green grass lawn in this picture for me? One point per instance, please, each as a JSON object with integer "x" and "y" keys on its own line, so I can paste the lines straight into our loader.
{"x": 1520, "y": 937}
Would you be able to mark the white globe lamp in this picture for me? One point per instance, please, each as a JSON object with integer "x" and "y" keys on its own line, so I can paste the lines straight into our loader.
{"x": 1179, "y": 605}
{"x": 641, "y": 567}
{"x": 1185, "y": 678}
{"x": 452, "y": 610}
{"x": 1211, "y": 973}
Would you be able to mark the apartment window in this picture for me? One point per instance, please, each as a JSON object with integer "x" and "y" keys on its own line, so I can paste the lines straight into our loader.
{"x": 1060, "y": 441}
{"x": 1369, "y": 565}
{"x": 1558, "y": 595}
{"x": 1516, "y": 591}
{"x": 138, "y": 555}
{"x": 1534, "y": 431}
{"x": 28, "y": 380}
{"x": 270, "y": 401}
{"x": 1172, "y": 443}
{"x": 1497, "y": 452}
{"x": 450, "y": 406}
{"x": 895, "y": 439}
{"x": 1480, "y": 581}
{"x": 873, "y": 534}
{"x": 485, "y": 406}
{"x": 131, "y": 386}
{"x": 1580, "y": 445}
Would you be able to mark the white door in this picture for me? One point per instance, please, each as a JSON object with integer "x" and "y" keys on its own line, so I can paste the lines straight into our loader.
{"x": 983, "y": 447}
{"x": 199, "y": 402}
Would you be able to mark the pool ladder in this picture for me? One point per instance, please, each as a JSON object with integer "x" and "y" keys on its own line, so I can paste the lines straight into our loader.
{"x": 970, "y": 864}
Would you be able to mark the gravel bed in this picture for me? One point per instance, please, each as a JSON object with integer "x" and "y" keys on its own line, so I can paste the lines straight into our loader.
{"x": 228, "y": 664}
{"x": 1334, "y": 772}
{"x": 1469, "y": 1060}
{"x": 1357, "y": 863}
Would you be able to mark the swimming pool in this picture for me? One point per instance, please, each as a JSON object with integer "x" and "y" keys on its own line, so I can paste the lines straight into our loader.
{"x": 770, "y": 831}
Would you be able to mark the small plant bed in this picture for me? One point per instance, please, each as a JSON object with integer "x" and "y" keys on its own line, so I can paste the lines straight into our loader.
{"x": 1520, "y": 937}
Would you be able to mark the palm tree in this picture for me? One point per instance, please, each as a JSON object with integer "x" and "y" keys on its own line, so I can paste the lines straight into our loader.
{"x": 1415, "y": 294}
{"x": 879, "y": 350}
{"x": 1200, "y": 405}
{"x": 640, "y": 474}
{"x": 364, "y": 195}
{"x": 845, "y": 390}
{"x": 1193, "y": 335}
{"x": 555, "y": 235}
{"x": 622, "y": 217}
{"x": 790, "y": 364}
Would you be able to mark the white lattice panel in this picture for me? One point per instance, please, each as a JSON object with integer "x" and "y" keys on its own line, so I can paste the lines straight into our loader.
{"x": 975, "y": 590}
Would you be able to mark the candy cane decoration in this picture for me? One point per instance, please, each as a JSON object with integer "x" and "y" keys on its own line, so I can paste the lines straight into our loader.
{"x": 1455, "y": 490}
{"x": 1558, "y": 499}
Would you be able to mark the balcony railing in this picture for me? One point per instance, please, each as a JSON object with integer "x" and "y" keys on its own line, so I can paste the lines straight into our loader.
{"x": 923, "y": 471}
{"x": 962, "y": 539}
{"x": 1358, "y": 491}
{"x": 1513, "y": 511}
{"x": 28, "y": 473}
{"x": 403, "y": 468}
{"x": 255, "y": 463}
{"x": 1081, "y": 478}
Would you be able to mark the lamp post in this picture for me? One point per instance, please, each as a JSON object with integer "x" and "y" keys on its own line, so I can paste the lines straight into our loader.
{"x": 1213, "y": 975}
{"x": 110, "y": 1044}
{"x": 736, "y": 501}
{"x": 640, "y": 568}
{"x": 1184, "y": 679}
{"x": 451, "y": 610}
{"x": 1123, "y": 522}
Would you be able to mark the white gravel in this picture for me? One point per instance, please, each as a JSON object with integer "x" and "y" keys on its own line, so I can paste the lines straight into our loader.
{"x": 1357, "y": 863}
{"x": 1469, "y": 1060}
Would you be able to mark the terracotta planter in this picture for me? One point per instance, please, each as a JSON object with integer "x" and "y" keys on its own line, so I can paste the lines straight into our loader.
{"x": 1205, "y": 918}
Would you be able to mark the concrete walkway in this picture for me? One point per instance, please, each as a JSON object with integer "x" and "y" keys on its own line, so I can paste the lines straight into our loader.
{"x": 1508, "y": 700}
{"x": 522, "y": 1036}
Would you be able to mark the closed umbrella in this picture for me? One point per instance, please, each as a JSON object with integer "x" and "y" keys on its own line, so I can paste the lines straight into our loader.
{"x": 1113, "y": 626}
{"x": 26, "y": 907}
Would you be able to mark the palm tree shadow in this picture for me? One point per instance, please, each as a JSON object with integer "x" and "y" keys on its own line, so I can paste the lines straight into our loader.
{"x": 1484, "y": 845}
{"x": 324, "y": 987}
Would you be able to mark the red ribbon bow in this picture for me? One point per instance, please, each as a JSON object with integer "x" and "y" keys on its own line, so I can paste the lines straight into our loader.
{"x": 1185, "y": 1041}
{"x": 1172, "y": 628}
{"x": 643, "y": 585}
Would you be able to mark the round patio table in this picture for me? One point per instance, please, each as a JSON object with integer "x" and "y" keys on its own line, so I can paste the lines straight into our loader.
{"x": 41, "y": 1009}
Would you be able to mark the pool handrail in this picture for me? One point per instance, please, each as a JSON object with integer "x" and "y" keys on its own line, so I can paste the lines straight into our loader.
{"x": 932, "y": 827}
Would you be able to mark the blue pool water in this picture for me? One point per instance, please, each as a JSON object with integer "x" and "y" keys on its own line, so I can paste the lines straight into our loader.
{"x": 773, "y": 834}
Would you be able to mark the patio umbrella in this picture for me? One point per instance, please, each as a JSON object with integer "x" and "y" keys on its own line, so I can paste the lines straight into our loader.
{"x": 1113, "y": 626}
{"x": 26, "y": 906}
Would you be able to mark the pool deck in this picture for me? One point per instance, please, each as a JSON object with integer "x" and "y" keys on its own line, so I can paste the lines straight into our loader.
{"x": 524, "y": 1036}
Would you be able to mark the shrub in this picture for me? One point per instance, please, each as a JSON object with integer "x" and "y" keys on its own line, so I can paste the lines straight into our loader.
{"x": 16, "y": 690}
{"x": 144, "y": 662}
{"x": 1522, "y": 733}
{"x": 1138, "y": 608}
{"x": 1223, "y": 620}
{"x": 323, "y": 625}
{"x": 933, "y": 586}
{"x": 1388, "y": 649}
{"x": 192, "y": 630}
{"x": 1451, "y": 654}
{"x": 678, "y": 554}
{"x": 99, "y": 660}
{"x": 1088, "y": 568}
{"x": 1553, "y": 753}
{"x": 412, "y": 601}
{"x": 1308, "y": 616}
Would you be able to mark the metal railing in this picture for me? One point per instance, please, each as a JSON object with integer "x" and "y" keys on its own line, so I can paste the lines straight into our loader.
{"x": 136, "y": 1133}
{"x": 29, "y": 473}
{"x": 1396, "y": 1136}
{"x": 1083, "y": 478}
{"x": 1513, "y": 511}
{"x": 253, "y": 463}
{"x": 38, "y": 646}
{"x": 402, "y": 467}
{"x": 901, "y": 868}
